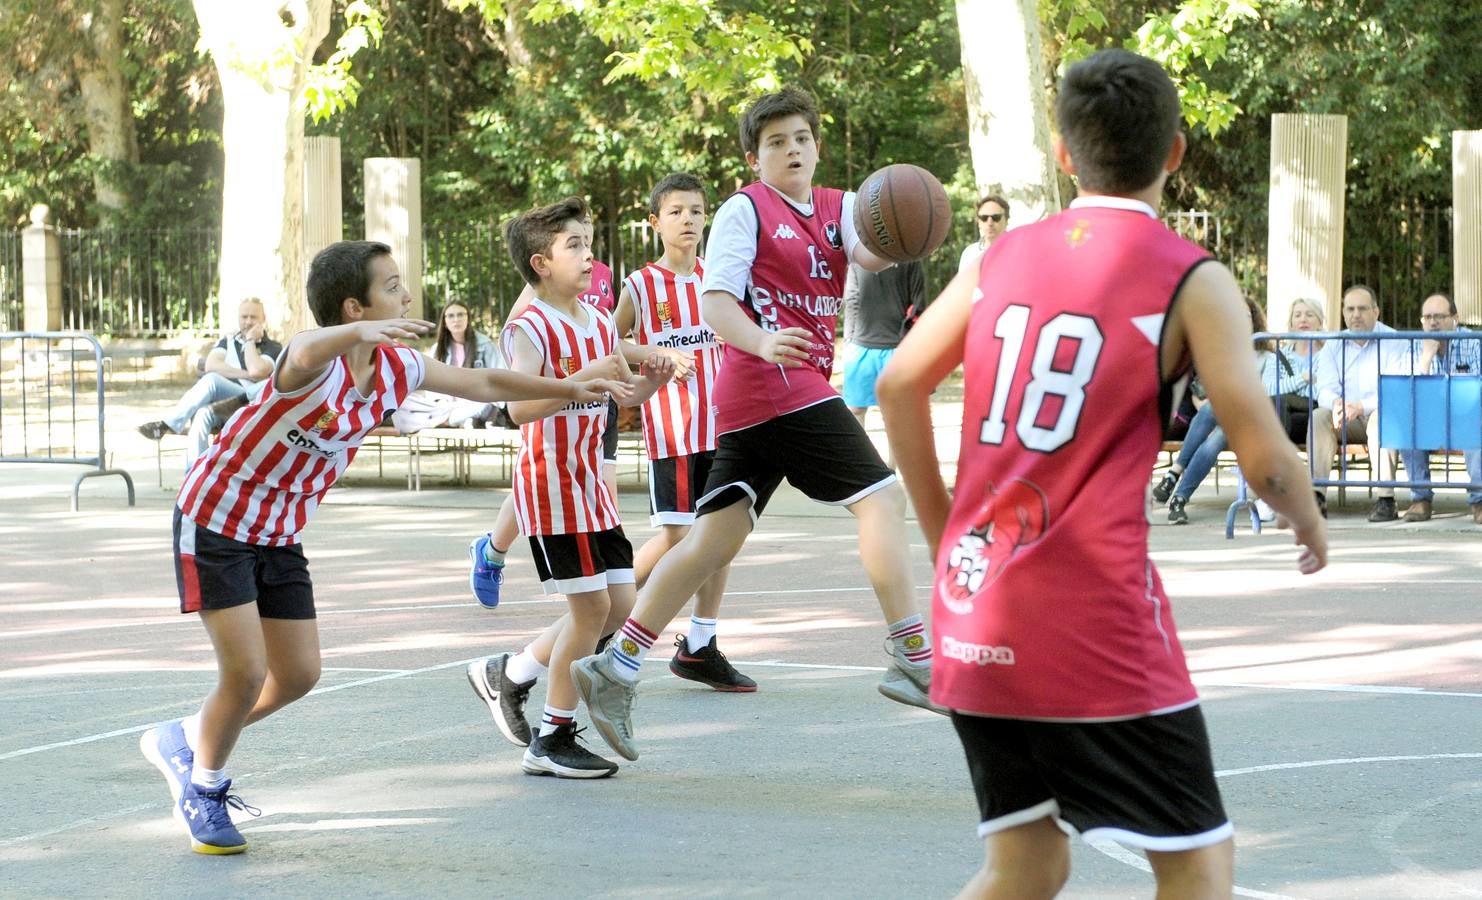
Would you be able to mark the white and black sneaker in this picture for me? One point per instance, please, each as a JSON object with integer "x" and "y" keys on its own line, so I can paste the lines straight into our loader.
{"x": 559, "y": 754}
{"x": 505, "y": 698}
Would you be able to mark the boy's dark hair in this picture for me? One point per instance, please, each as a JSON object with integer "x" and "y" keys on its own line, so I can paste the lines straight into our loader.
{"x": 789, "y": 101}
{"x": 340, "y": 271}
{"x": 1118, "y": 114}
{"x": 679, "y": 181}
{"x": 533, "y": 232}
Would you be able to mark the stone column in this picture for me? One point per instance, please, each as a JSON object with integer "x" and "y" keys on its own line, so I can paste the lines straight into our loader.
{"x": 393, "y": 215}
{"x": 323, "y": 207}
{"x": 1466, "y": 224}
{"x": 1305, "y": 242}
{"x": 41, "y": 274}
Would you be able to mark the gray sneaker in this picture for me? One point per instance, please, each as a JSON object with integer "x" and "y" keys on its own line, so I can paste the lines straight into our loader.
{"x": 505, "y": 698}
{"x": 910, "y": 685}
{"x": 609, "y": 701}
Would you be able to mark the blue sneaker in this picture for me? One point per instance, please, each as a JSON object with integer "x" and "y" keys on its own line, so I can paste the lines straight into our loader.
{"x": 484, "y": 577}
{"x": 210, "y": 822}
{"x": 165, "y": 746}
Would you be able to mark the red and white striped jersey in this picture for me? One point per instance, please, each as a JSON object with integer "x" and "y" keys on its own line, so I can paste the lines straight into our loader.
{"x": 558, "y": 473}
{"x": 677, "y": 419}
{"x": 277, "y": 458}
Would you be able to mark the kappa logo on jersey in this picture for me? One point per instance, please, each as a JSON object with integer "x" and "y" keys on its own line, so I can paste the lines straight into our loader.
{"x": 1011, "y": 518}
{"x": 831, "y": 234}
{"x": 1079, "y": 233}
{"x": 977, "y": 654}
{"x": 784, "y": 232}
{"x": 665, "y": 313}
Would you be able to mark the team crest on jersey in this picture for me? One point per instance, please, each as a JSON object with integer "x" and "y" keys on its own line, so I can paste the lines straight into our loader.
{"x": 1011, "y": 518}
{"x": 323, "y": 420}
{"x": 831, "y": 234}
{"x": 665, "y": 313}
{"x": 1079, "y": 233}
{"x": 568, "y": 365}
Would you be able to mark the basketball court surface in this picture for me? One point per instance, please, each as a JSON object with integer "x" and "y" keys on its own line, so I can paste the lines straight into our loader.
{"x": 1345, "y": 710}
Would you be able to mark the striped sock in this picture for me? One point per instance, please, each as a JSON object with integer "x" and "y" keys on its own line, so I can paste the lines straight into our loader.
{"x": 701, "y": 631}
{"x": 628, "y": 649}
{"x": 554, "y": 718}
{"x": 911, "y": 642}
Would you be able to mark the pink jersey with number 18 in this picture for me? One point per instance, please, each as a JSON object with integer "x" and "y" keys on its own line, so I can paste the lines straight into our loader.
{"x": 1046, "y": 605}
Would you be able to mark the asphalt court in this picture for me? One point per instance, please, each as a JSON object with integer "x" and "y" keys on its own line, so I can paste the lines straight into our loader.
{"x": 1344, "y": 710}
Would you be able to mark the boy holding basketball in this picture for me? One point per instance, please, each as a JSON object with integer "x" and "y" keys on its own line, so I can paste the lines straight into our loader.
{"x": 1058, "y": 655}
{"x": 245, "y": 501}
{"x": 773, "y": 285}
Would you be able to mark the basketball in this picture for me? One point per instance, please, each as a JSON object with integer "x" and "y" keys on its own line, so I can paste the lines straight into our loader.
{"x": 902, "y": 213}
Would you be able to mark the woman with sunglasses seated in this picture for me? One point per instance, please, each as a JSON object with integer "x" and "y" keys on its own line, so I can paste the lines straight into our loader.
{"x": 993, "y": 220}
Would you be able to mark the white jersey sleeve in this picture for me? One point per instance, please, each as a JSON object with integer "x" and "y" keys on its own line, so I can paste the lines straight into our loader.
{"x": 731, "y": 250}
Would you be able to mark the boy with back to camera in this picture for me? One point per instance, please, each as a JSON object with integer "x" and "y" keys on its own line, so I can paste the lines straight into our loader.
{"x": 773, "y": 285}
{"x": 1057, "y": 652}
{"x": 561, "y": 500}
{"x": 243, "y": 504}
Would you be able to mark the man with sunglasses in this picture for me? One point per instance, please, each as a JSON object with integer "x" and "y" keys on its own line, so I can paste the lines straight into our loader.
{"x": 1437, "y": 357}
{"x": 993, "y": 220}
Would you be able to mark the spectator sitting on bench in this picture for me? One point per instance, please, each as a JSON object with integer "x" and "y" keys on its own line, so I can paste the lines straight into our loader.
{"x": 236, "y": 370}
{"x": 1439, "y": 357}
{"x": 1347, "y": 381}
{"x": 460, "y": 345}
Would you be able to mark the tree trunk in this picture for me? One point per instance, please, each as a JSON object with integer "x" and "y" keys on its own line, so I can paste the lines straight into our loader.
{"x": 105, "y": 100}
{"x": 262, "y": 50}
{"x": 1007, "y": 114}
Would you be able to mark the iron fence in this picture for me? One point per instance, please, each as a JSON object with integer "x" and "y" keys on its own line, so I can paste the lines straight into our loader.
{"x": 12, "y": 301}
{"x": 137, "y": 283}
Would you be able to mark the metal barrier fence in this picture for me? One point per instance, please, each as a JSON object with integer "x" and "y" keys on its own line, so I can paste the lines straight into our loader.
{"x": 138, "y": 282}
{"x": 44, "y": 416}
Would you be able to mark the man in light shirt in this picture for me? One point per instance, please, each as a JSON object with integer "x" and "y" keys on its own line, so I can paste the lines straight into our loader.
{"x": 1346, "y": 377}
{"x": 1442, "y": 357}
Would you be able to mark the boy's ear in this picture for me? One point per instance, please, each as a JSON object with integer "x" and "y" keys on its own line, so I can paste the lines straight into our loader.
{"x": 351, "y": 310}
{"x": 752, "y": 162}
{"x": 1062, "y": 157}
{"x": 1176, "y": 153}
{"x": 540, "y": 264}
{"x": 653, "y": 221}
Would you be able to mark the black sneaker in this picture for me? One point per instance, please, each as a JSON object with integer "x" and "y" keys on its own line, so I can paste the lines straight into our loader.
{"x": 708, "y": 666}
{"x": 1164, "y": 488}
{"x": 1384, "y": 510}
{"x": 155, "y": 430}
{"x": 559, "y": 754}
{"x": 505, "y": 698}
{"x": 1322, "y": 503}
{"x": 1176, "y": 514}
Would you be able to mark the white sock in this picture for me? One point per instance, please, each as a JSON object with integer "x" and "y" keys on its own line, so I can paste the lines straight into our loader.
{"x": 207, "y": 778}
{"x": 701, "y": 631}
{"x": 523, "y": 667}
{"x": 554, "y": 718}
{"x": 191, "y": 724}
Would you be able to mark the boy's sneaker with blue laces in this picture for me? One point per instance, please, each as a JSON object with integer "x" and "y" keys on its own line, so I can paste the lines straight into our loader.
{"x": 484, "y": 577}
{"x": 165, "y": 746}
{"x": 206, "y": 814}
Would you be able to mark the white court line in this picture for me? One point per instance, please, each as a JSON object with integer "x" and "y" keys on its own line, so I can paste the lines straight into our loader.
{"x": 1315, "y": 687}
{"x": 183, "y": 619}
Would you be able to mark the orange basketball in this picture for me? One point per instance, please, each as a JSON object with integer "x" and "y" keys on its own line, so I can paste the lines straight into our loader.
{"x": 902, "y": 213}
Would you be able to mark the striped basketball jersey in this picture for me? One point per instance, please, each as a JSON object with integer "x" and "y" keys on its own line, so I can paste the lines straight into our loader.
{"x": 797, "y": 281}
{"x": 1045, "y": 603}
{"x": 277, "y": 458}
{"x": 677, "y": 419}
{"x": 558, "y": 473}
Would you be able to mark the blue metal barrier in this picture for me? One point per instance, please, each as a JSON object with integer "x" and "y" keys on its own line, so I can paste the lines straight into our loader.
{"x": 1426, "y": 411}
{"x": 47, "y": 408}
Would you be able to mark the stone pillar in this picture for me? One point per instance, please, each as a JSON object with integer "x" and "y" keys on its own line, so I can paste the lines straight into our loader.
{"x": 1466, "y": 224}
{"x": 393, "y": 215}
{"x": 323, "y": 207}
{"x": 1309, "y": 156}
{"x": 41, "y": 274}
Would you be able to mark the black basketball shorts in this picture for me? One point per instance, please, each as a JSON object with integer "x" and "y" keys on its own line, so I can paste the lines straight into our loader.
{"x": 610, "y": 434}
{"x": 585, "y": 561}
{"x": 675, "y": 484}
{"x": 215, "y": 572}
{"x": 1146, "y": 782}
{"x": 821, "y": 450}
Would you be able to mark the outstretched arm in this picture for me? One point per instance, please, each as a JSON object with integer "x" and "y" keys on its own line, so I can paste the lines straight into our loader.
{"x": 493, "y": 385}
{"x": 310, "y": 352}
{"x": 930, "y": 352}
{"x": 1209, "y": 318}
{"x": 526, "y": 359}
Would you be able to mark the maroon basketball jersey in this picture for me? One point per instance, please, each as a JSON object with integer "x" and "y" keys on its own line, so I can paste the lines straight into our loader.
{"x": 1046, "y": 604}
{"x": 797, "y": 281}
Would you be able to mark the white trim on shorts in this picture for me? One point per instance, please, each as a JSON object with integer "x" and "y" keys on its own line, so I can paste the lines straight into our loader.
{"x": 1051, "y": 809}
{"x": 860, "y": 495}
{"x": 582, "y": 585}
{"x": 746, "y": 488}
{"x": 657, "y": 520}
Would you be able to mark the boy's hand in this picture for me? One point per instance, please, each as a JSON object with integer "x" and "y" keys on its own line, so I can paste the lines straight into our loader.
{"x": 659, "y": 368}
{"x": 788, "y": 347}
{"x": 684, "y": 362}
{"x": 613, "y": 368}
{"x": 595, "y": 389}
{"x": 389, "y": 331}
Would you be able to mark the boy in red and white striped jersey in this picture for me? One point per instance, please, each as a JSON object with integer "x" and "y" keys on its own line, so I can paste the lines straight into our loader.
{"x": 561, "y": 500}
{"x": 660, "y": 305}
{"x": 245, "y": 501}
